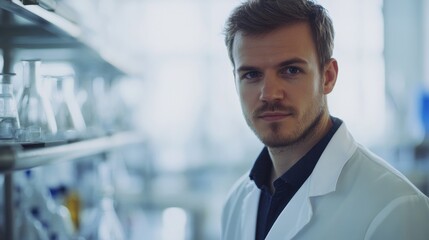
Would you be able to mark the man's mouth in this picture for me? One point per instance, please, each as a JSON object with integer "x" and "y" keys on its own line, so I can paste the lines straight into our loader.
{"x": 274, "y": 116}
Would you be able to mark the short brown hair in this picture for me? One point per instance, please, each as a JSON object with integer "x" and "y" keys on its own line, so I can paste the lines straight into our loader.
{"x": 255, "y": 17}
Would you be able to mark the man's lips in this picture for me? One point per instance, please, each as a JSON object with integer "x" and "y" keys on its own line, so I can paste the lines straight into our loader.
{"x": 274, "y": 116}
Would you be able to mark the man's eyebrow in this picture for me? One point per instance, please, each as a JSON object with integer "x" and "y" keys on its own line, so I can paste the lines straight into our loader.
{"x": 292, "y": 61}
{"x": 246, "y": 68}
{"x": 287, "y": 62}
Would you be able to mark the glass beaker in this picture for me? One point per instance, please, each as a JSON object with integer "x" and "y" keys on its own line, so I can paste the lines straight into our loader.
{"x": 34, "y": 109}
{"x": 67, "y": 112}
{"x": 9, "y": 121}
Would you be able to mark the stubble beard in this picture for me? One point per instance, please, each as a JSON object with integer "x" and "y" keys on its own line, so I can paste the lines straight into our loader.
{"x": 275, "y": 138}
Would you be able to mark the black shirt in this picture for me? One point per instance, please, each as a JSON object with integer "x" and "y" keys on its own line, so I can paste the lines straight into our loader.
{"x": 270, "y": 206}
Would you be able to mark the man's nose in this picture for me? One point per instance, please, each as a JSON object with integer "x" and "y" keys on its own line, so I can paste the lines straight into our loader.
{"x": 271, "y": 89}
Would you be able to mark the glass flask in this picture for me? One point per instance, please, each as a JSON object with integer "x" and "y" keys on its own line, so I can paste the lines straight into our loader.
{"x": 96, "y": 108}
{"x": 9, "y": 121}
{"x": 70, "y": 122}
{"x": 34, "y": 108}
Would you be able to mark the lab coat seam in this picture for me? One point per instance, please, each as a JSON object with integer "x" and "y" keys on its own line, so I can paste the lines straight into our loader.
{"x": 384, "y": 164}
{"x": 383, "y": 214}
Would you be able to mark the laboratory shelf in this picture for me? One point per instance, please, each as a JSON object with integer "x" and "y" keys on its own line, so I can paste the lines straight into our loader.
{"x": 31, "y": 26}
{"x": 40, "y": 16}
{"x": 15, "y": 156}
{"x": 34, "y": 32}
{"x": 28, "y": 29}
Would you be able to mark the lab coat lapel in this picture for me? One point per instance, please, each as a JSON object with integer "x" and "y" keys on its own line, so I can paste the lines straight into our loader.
{"x": 322, "y": 181}
{"x": 294, "y": 217}
{"x": 250, "y": 211}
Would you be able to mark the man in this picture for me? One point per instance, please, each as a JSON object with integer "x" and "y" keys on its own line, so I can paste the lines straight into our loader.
{"x": 312, "y": 180}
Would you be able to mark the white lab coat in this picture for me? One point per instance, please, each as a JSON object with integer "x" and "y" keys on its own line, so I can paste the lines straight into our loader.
{"x": 351, "y": 194}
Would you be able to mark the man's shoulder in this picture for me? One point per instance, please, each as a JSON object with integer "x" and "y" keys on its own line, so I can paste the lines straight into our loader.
{"x": 374, "y": 175}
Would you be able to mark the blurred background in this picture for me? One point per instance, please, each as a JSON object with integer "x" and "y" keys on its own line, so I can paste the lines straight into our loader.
{"x": 159, "y": 69}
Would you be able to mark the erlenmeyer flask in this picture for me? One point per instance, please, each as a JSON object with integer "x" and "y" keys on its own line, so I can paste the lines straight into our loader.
{"x": 9, "y": 122}
{"x": 35, "y": 111}
{"x": 95, "y": 107}
{"x": 68, "y": 115}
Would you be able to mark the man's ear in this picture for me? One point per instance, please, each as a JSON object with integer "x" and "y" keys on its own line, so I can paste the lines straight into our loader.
{"x": 330, "y": 74}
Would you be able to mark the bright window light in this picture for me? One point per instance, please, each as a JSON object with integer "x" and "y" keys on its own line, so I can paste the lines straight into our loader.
{"x": 174, "y": 224}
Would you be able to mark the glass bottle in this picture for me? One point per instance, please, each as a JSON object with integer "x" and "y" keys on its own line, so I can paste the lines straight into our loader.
{"x": 104, "y": 222}
{"x": 109, "y": 225}
{"x": 9, "y": 121}
{"x": 35, "y": 111}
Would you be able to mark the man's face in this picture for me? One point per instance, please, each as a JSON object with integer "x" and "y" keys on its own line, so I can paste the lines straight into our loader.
{"x": 280, "y": 85}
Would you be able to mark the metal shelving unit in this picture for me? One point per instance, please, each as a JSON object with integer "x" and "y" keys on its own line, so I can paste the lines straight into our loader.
{"x": 30, "y": 31}
{"x": 14, "y": 157}
{"x": 42, "y": 17}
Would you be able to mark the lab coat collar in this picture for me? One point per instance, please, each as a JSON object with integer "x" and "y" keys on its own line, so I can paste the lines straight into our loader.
{"x": 339, "y": 150}
{"x": 322, "y": 181}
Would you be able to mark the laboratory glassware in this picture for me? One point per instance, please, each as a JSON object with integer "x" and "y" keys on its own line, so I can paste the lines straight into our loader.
{"x": 104, "y": 222}
{"x": 9, "y": 121}
{"x": 70, "y": 122}
{"x": 96, "y": 108}
{"x": 34, "y": 108}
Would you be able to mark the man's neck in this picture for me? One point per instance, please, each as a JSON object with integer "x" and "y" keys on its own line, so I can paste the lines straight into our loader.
{"x": 284, "y": 158}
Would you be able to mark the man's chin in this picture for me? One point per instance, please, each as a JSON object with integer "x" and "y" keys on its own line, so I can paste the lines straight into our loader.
{"x": 276, "y": 142}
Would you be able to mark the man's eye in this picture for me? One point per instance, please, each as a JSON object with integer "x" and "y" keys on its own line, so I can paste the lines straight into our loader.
{"x": 251, "y": 75}
{"x": 291, "y": 70}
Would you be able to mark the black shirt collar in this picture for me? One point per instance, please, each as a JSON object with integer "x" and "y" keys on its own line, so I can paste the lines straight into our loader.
{"x": 299, "y": 172}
